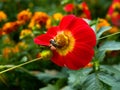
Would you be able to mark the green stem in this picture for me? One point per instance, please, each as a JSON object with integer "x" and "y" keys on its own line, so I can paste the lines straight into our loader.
{"x": 17, "y": 66}
{"x": 108, "y": 35}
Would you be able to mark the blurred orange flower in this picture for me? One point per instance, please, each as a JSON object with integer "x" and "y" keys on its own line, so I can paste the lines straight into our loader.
{"x": 24, "y": 16}
{"x": 102, "y": 22}
{"x": 38, "y": 19}
{"x": 10, "y": 27}
{"x": 3, "y": 16}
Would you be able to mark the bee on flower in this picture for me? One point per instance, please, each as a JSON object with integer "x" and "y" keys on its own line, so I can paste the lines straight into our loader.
{"x": 71, "y": 42}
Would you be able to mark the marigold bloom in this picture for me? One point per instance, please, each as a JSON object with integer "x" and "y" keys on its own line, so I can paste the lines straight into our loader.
{"x": 114, "y": 29}
{"x": 57, "y": 16}
{"x": 10, "y": 27}
{"x": 114, "y": 13}
{"x": 24, "y": 16}
{"x": 38, "y": 19}
{"x": 102, "y": 23}
{"x": 72, "y": 42}
{"x": 3, "y": 16}
{"x": 69, "y": 7}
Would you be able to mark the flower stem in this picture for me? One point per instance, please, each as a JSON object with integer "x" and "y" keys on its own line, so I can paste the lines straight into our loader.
{"x": 108, "y": 35}
{"x": 17, "y": 66}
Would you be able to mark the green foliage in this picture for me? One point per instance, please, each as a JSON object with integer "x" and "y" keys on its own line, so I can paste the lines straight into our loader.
{"x": 45, "y": 75}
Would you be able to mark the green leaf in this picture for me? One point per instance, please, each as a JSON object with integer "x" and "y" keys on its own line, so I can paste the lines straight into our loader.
{"x": 108, "y": 79}
{"x": 49, "y": 87}
{"x": 78, "y": 77}
{"x": 110, "y": 45}
{"x": 100, "y": 55}
{"x": 111, "y": 69}
{"x": 67, "y": 88}
{"x": 46, "y": 77}
{"x": 102, "y": 30}
{"x": 92, "y": 83}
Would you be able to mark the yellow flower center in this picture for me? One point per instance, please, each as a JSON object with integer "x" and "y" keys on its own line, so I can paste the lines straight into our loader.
{"x": 64, "y": 42}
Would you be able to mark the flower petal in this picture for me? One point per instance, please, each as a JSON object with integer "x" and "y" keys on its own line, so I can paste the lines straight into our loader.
{"x": 57, "y": 59}
{"x": 66, "y": 21}
{"x": 44, "y": 39}
{"x": 85, "y": 35}
{"x": 79, "y": 57}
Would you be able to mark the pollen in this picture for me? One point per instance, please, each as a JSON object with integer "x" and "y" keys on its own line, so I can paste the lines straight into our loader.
{"x": 65, "y": 42}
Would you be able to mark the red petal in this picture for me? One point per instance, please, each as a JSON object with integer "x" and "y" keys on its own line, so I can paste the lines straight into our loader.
{"x": 66, "y": 21}
{"x": 44, "y": 39}
{"x": 82, "y": 32}
{"x": 57, "y": 59}
{"x": 85, "y": 35}
{"x": 79, "y": 57}
{"x": 53, "y": 31}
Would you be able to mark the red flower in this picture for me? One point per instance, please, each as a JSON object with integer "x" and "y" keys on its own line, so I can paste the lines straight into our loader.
{"x": 114, "y": 13}
{"x": 86, "y": 10}
{"x": 69, "y": 7}
{"x": 73, "y": 41}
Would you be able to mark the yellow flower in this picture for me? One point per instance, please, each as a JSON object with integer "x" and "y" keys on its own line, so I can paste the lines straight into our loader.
{"x": 49, "y": 23}
{"x": 3, "y": 16}
{"x": 57, "y": 16}
{"x": 26, "y": 32}
{"x": 22, "y": 45}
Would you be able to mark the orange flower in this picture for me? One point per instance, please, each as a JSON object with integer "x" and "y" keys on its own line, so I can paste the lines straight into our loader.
{"x": 24, "y": 16}
{"x": 71, "y": 42}
{"x": 3, "y": 16}
{"x": 114, "y": 29}
{"x": 102, "y": 23}
{"x": 10, "y": 27}
{"x": 38, "y": 19}
{"x": 5, "y": 52}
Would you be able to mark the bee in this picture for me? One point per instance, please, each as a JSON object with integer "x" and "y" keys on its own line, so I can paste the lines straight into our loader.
{"x": 53, "y": 42}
